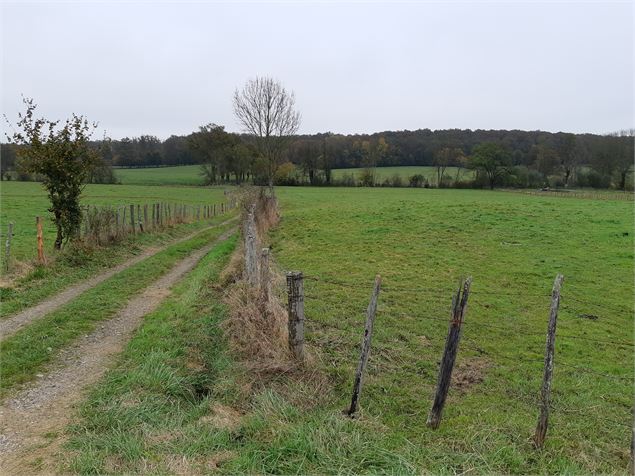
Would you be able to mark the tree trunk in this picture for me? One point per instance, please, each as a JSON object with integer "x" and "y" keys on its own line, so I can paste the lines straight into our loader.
{"x": 623, "y": 180}
{"x": 59, "y": 238}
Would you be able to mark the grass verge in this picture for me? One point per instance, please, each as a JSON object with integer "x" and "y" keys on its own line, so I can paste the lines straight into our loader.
{"x": 24, "y": 353}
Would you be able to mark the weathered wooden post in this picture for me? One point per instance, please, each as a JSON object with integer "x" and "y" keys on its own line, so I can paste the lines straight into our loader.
{"x": 145, "y": 215}
{"x": 545, "y": 392}
{"x": 295, "y": 293}
{"x": 371, "y": 311}
{"x": 40, "y": 241}
{"x": 132, "y": 219}
{"x": 265, "y": 279}
{"x": 251, "y": 264}
{"x": 459, "y": 307}
{"x": 214, "y": 212}
{"x": 7, "y": 246}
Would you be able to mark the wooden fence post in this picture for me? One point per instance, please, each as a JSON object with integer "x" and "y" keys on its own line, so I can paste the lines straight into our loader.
{"x": 40, "y": 241}
{"x": 295, "y": 293}
{"x": 545, "y": 392}
{"x": 251, "y": 264}
{"x": 365, "y": 350}
{"x": 7, "y": 246}
{"x": 265, "y": 281}
{"x": 214, "y": 213}
{"x": 459, "y": 307}
{"x": 132, "y": 218}
{"x": 145, "y": 215}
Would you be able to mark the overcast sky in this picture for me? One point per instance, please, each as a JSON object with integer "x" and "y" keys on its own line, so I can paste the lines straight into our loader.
{"x": 167, "y": 68}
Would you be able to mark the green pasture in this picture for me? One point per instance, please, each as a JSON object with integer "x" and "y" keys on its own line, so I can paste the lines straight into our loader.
{"x": 180, "y": 175}
{"x": 405, "y": 172}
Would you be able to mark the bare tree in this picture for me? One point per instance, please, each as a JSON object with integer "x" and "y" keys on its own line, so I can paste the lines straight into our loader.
{"x": 267, "y": 112}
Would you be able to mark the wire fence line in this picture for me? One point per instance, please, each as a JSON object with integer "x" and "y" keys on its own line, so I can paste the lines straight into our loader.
{"x": 319, "y": 292}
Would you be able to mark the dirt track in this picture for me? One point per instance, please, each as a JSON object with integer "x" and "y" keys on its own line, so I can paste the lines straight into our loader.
{"x": 46, "y": 407}
{"x": 11, "y": 325}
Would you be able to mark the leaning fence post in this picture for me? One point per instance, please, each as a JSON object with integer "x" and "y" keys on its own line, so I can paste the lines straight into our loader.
{"x": 265, "y": 283}
{"x": 365, "y": 352}
{"x": 459, "y": 306}
{"x": 295, "y": 294}
{"x": 40, "y": 241}
{"x": 7, "y": 246}
{"x": 545, "y": 392}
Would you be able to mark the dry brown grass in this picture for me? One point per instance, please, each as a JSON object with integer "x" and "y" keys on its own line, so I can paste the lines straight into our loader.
{"x": 257, "y": 331}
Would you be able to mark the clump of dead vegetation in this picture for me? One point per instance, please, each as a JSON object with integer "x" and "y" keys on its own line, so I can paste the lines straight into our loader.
{"x": 257, "y": 327}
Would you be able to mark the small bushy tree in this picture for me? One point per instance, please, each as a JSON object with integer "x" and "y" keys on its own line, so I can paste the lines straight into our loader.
{"x": 492, "y": 160}
{"x": 62, "y": 156}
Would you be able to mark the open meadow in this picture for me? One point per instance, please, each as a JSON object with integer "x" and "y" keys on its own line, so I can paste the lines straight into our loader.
{"x": 421, "y": 242}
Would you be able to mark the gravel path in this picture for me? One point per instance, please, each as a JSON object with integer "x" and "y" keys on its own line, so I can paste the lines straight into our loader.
{"x": 11, "y": 325}
{"x": 33, "y": 421}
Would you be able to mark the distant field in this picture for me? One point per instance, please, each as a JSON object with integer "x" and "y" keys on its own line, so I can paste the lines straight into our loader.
{"x": 189, "y": 174}
{"x": 382, "y": 173}
{"x": 23, "y": 201}
{"x": 181, "y": 175}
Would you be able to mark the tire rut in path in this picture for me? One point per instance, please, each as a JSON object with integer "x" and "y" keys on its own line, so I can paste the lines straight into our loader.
{"x": 46, "y": 406}
{"x": 13, "y": 324}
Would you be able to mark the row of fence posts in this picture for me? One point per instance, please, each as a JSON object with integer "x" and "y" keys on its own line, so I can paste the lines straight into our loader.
{"x": 589, "y": 195}
{"x": 258, "y": 275}
{"x": 142, "y": 218}
{"x": 459, "y": 309}
{"x": 295, "y": 292}
{"x": 147, "y": 217}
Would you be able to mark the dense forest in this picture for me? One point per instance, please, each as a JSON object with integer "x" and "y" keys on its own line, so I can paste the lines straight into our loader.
{"x": 499, "y": 157}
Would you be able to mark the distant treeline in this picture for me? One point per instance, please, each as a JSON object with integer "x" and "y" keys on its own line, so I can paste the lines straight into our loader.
{"x": 509, "y": 158}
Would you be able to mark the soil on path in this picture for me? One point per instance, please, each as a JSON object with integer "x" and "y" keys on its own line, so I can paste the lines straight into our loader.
{"x": 33, "y": 421}
{"x": 11, "y": 325}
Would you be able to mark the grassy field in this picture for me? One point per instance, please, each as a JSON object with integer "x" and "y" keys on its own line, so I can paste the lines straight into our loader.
{"x": 181, "y": 175}
{"x": 23, "y": 201}
{"x": 383, "y": 173}
{"x": 189, "y": 174}
{"x": 160, "y": 411}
